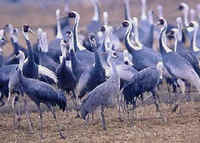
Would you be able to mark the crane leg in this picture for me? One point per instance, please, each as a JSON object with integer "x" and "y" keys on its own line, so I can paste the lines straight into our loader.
{"x": 102, "y": 117}
{"x": 54, "y": 116}
{"x": 182, "y": 86}
{"x": 41, "y": 136}
{"x": 28, "y": 115}
{"x": 157, "y": 105}
{"x": 1, "y": 100}
{"x": 75, "y": 100}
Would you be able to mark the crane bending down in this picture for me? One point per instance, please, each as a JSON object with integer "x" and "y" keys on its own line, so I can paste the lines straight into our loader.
{"x": 39, "y": 92}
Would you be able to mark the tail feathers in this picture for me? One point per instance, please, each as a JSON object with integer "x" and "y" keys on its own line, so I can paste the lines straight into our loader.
{"x": 45, "y": 71}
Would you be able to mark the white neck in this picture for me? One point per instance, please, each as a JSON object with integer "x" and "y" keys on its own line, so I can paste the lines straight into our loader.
{"x": 185, "y": 12}
{"x": 105, "y": 16}
{"x": 96, "y": 14}
{"x": 21, "y": 62}
{"x": 180, "y": 27}
{"x": 138, "y": 45}
{"x": 59, "y": 32}
{"x": 26, "y": 35}
{"x": 164, "y": 41}
{"x": 195, "y": 48}
{"x": 143, "y": 16}
{"x": 175, "y": 43}
{"x": 15, "y": 38}
{"x": 127, "y": 57}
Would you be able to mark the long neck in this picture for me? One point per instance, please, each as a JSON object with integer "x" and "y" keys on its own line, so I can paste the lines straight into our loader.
{"x": 195, "y": 48}
{"x": 58, "y": 26}
{"x": 30, "y": 50}
{"x": 98, "y": 60}
{"x": 143, "y": 16}
{"x": 75, "y": 34}
{"x": 96, "y": 16}
{"x": 126, "y": 10}
{"x": 162, "y": 42}
{"x": 185, "y": 16}
{"x": 128, "y": 43}
{"x": 15, "y": 44}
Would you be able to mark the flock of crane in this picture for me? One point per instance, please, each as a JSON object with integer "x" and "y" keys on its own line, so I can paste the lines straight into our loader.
{"x": 94, "y": 70}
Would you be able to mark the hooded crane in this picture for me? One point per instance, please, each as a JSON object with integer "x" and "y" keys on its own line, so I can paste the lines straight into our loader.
{"x": 181, "y": 50}
{"x": 14, "y": 34}
{"x": 195, "y": 46}
{"x": 30, "y": 68}
{"x": 91, "y": 78}
{"x": 40, "y": 92}
{"x": 83, "y": 54}
{"x": 184, "y": 8}
{"x": 66, "y": 79}
{"x": 103, "y": 95}
{"x": 145, "y": 80}
{"x": 175, "y": 63}
{"x": 138, "y": 51}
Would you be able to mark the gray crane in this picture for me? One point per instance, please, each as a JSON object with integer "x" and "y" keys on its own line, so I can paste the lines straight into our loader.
{"x": 39, "y": 92}
{"x": 175, "y": 63}
{"x": 103, "y": 95}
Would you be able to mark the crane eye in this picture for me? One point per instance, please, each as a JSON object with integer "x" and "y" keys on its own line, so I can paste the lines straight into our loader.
{"x": 161, "y": 21}
{"x": 180, "y": 7}
{"x": 125, "y": 24}
{"x": 103, "y": 29}
{"x": 191, "y": 25}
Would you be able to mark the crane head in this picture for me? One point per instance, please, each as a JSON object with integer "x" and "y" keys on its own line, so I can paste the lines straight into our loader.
{"x": 193, "y": 25}
{"x": 162, "y": 22}
{"x": 26, "y": 28}
{"x": 103, "y": 28}
{"x": 72, "y": 14}
{"x": 183, "y": 6}
{"x": 125, "y": 23}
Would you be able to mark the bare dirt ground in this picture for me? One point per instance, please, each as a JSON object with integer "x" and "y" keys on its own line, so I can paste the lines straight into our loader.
{"x": 147, "y": 127}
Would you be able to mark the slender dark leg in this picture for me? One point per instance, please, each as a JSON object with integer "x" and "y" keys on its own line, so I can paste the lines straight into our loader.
{"x": 54, "y": 116}
{"x": 102, "y": 117}
{"x": 75, "y": 102}
{"x": 157, "y": 105}
{"x": 28, "y": 115}
{"x": 41, "y": 136}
